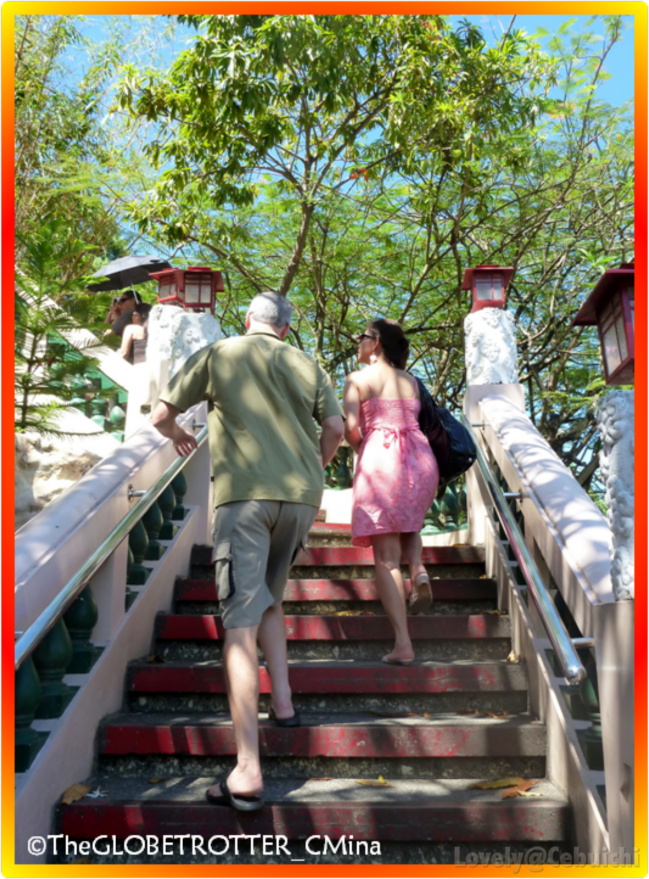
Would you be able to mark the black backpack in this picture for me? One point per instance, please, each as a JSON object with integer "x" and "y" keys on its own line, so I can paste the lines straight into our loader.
{"x": 451, "y": 442}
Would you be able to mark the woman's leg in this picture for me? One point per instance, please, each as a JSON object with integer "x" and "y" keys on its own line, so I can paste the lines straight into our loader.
{"x": 421, "y": 595}
{"x": 411, "y": 547}
{"x": 389, "y": 585}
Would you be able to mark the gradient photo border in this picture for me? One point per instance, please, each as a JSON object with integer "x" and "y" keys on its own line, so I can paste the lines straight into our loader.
{"x": 11, "y": 9}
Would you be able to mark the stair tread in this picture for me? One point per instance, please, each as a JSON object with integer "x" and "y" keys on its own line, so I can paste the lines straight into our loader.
{"x": 461, "y": 554}
{"x": 337, "y": 589}
{"x": 332, "y": 627}
{"x": 338, "y": 791}
{"x": 362, "y": 719}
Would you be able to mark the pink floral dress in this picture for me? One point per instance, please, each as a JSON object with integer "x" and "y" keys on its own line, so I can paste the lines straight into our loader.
{"x": 396, "y": 474}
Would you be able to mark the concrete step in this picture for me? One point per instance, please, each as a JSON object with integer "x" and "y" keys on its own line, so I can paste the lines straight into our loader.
{"x": 343, "y": 628}
{"x": 354, "y": 736}
{"x": 401, "y": 811}
{"x": 320, "y": 677}
{"x": 160, "y": 745}
{"x": 327, "y": 556}
{"x": 445, "y": 589}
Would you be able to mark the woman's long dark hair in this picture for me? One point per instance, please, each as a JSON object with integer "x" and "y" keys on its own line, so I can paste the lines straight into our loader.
{"x": 396, "y": 346}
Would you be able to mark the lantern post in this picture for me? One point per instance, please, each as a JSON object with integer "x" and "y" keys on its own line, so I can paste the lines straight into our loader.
{"x": 610, "y": 307}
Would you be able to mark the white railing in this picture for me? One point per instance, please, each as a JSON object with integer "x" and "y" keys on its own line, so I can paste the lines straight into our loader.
{"x": 569, "y": 540}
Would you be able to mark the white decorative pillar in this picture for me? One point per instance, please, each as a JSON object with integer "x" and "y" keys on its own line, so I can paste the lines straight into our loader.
{"x": 491, "y": 367}
{"x": 490, "y": 348}
{"x": 615, "y": 422}
{"x": 173, "y": 336}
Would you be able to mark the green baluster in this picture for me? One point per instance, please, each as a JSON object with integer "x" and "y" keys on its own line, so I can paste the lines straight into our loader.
{"x": 328, "y": 476}
{"x": 116, "y": 422}
{"x": 462, "y": 501}
{"x": 343, "y": 474}
{"x": 138, "y": 541}
{"x": 450, "y": 507}
{"x": 153, "y": 522}
{"x": 167, "y": 502}
{"x": 179, "y": 485}
{"x": 52, "y": 658}
{"x": 80, "y": 618}
{"x": 98, "y": 408}
{"x": 78, "y": 385}
{"x": 28, "y": 696}
{"x": 591, "y": 738}
{"x": 129, "y": 594}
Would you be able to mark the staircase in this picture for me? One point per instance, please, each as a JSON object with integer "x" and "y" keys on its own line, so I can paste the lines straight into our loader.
{"x": 430, "y": 731}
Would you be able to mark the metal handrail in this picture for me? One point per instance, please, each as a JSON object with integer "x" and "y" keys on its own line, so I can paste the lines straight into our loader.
{"x": 32, "y": 637}
{"x": 563, "y": 644}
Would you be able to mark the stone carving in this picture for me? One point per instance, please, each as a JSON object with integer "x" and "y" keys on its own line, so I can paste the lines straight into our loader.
{"x": 490, "y": 347}
{"x": 615, "y": 421}
{"x": 46, "y": 467}
{"x": 175, "y": 335}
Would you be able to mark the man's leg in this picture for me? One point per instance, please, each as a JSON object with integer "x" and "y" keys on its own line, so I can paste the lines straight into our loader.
{"x": 241, "y": 544}
{"x": 272, "y": 640}
{"x": 290, "y": 531}
{"x": 242, "y": 677}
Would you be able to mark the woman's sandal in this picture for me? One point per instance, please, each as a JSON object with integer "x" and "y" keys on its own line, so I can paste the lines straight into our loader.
{"x": 421, "y": 596}
{"x": 283, "y": 721}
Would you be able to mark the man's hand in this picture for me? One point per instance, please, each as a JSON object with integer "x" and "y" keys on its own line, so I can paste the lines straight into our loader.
{"x": 332, "y": 433}
{"x": 184, "y": 442}
{"x": 164, "y": 419}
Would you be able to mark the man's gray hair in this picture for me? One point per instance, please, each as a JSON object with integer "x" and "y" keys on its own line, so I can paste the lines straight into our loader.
{"x": 271, "y": 308}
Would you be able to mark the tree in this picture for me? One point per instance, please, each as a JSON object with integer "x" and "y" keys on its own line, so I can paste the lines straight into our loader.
{"x": 314, "y": 103}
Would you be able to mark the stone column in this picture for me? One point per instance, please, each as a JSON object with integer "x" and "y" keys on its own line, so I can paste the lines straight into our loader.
{"x": 173, "y": 336}
{"x": 616, "y": 422}
{"x": 490, "y": 348}
{"x": 491, "y": 367}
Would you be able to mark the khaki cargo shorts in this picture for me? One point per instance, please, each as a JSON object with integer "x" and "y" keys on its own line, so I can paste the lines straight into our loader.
{"x": 255, "y": 544}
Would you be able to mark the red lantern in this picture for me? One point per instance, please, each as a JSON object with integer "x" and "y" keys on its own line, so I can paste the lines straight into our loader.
{"x": 194, "y": 288}
{"x": 487, "y": 285}
{"x": 610, "y": 308}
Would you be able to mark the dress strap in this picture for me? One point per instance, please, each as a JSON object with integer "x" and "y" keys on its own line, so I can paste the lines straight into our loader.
{"x": 371, "y": 391}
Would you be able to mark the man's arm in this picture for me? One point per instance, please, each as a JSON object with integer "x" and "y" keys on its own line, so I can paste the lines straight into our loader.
{"x": 164, "y": 420}
{"x": 332, "y": 433}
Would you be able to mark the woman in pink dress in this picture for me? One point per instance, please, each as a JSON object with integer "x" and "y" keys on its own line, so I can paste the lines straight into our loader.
{"x": 396, "y": 475}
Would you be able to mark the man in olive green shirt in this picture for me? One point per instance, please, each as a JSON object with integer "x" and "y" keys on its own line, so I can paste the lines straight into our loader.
{"x": 268, "y": 465}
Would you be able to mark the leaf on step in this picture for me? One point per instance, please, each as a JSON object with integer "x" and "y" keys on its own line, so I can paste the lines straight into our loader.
{"x": 497, "y": 714}
{"x": 158, "y": 780}
{"x": 511, "y": 781}
{"x": 484, "y": 577}
{"x": 521, "y": 790}
{"x": 326, "y": 778}
{"x": 514, "y": 657}
{"x": 155, "y": 658}
{"x": 473, "y": 711}
{"x": 380, "y": 782}
{"x": 74, "y": 793}
{"x": 85, "y": 860}
{"x": 395, "y": 714}
{"x": 353, "y": 613}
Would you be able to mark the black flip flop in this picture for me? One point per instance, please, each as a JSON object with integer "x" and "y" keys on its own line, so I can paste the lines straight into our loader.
{"x": 234, "y": 801}
{"x": 295, "y": 720}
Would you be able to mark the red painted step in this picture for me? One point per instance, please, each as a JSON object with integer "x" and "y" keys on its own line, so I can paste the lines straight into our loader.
{"x": 338, "y": 628}
{"x": 133, "y": 735}
{"x": 442, "y": 820}
{"x": 344, "y": 677}
{"x": 324, "y": 527}
{"x": 363, "y": 555}
{"x": 450, "y": 589}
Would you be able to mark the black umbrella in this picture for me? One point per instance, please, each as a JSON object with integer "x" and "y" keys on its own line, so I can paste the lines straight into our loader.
{"x": 127, "y": 271}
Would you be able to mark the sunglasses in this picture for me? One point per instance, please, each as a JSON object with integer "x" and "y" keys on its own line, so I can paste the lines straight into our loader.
{"x": 364, "y": 336}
